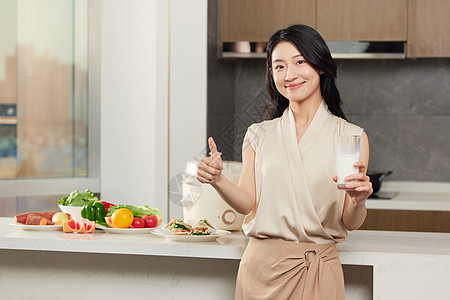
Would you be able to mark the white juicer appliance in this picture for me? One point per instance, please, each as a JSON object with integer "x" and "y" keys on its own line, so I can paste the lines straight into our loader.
{"x": 201, "y": 201}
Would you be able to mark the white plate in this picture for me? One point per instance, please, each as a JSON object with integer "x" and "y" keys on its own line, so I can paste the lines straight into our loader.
{"x": 166, "y": 233}
{"x": 124, "y": 230}
{"x": 38, "y": 227}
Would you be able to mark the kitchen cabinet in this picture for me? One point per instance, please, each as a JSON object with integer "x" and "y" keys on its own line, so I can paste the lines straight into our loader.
{"x": 415, "y": 206}
{"x": 407, "y": 220}
{"x": 428, "y": 28}
{"x": 356, "y": 20}
{"x": 362, "y": 20}
{"x": 257, "y": 20}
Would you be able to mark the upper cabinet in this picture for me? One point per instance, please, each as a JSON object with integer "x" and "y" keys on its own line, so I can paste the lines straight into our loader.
{"x": 424, "y": 25}
{"x": 428, "y": 28}
{"x": 362, "y": 20}
{"x": 257, "y": 20}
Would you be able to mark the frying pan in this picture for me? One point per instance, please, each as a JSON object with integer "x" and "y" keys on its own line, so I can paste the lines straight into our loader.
{"x": 376, "y": 177}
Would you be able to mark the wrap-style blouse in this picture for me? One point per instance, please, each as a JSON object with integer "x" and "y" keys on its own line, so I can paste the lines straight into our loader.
{"x": 296, "y": 197}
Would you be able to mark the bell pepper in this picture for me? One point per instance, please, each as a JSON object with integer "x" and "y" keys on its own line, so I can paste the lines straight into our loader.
{"x": 94, "y": 211}
{"x": 106, "y": 205}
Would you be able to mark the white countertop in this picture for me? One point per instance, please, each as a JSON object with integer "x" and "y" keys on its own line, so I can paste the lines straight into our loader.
{"x": 386, "y": 265}
{"x": 226, "y": 247}
{"x": 13, "y": 237}
{"x": 423, "y": 196}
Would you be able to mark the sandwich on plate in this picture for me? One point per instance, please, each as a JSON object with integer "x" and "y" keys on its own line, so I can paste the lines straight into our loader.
{"x": 200, "y": 229}
{"x": 203, "y": 227}
{"x": 178, "y": 227}
{"x": 211, "y": 228}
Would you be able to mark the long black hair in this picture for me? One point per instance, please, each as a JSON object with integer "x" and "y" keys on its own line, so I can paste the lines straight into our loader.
{"x": 315, "y": 51}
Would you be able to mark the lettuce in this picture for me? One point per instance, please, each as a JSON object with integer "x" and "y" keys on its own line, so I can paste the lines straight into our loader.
{"x": 78, "y": 199}
{"x": 138, "y": 211}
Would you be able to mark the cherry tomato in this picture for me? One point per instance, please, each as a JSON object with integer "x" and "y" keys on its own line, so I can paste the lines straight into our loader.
{"x": 150, "y": 221}
{"x": 137, "y": 223}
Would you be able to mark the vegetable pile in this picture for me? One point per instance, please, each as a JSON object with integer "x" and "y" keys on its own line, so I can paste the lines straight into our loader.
{"x": 108, "y": 214}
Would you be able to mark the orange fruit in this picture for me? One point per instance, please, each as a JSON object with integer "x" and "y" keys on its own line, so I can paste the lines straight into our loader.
{"x": 122, "y": 218}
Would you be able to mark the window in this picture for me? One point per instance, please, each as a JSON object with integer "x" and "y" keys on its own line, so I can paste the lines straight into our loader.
{"x": 45, "y": 105}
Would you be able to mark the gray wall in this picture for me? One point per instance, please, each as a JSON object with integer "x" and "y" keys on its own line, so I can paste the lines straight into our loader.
{"x": 403, "y": 105}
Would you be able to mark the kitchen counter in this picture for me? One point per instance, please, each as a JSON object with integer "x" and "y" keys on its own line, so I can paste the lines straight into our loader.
{"x": 226, "y": 247}
{"x": 382, "y": 265}
{"x": 419, "y": 196}
{"x": 12, "y": 237}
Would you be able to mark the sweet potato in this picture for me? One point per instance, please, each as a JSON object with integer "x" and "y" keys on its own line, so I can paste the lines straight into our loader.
{"x": 34, "y": 219}
{"x": 22, "y": 218}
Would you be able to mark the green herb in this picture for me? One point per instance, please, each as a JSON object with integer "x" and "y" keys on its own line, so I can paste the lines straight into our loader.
{"x": 78, "y": 199}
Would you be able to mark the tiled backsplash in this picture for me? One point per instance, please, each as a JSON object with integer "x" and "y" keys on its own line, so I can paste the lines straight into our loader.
{"x": 403, "y": 105}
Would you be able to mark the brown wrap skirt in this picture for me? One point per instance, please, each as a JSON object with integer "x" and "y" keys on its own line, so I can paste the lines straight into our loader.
{"x": 278, "y": 269}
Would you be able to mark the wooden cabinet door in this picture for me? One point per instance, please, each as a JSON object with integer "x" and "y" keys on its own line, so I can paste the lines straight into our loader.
{"x": 257, "y": 20}
{"x": 428, "y": 28}
{"x": 362, "y": 20}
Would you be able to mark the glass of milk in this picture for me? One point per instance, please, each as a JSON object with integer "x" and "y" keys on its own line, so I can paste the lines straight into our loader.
{"x": 347, "y": 156}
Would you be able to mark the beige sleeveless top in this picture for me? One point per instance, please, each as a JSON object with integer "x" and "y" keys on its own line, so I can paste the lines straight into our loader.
{"x": 296, "y": 197}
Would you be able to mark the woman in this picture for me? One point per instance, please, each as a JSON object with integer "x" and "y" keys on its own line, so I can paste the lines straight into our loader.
{"x": 295, "y": 214}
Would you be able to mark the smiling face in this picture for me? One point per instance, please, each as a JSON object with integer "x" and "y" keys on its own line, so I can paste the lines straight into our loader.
{"x": 294, "y": 77}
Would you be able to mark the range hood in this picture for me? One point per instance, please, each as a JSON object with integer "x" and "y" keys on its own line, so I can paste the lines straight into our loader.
{"x": 338, "y": 49}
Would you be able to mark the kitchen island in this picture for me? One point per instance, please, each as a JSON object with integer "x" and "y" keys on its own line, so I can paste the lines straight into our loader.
{"x": 37, "y": 264}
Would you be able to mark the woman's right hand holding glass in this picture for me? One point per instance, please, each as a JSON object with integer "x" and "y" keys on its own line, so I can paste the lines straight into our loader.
{"x": 210, "y": 168}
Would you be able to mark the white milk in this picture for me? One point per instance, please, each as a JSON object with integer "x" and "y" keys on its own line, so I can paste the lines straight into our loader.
{"x": 345, "y": 167}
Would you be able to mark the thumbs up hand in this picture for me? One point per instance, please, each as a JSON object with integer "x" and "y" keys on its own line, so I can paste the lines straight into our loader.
{"x": 210, "y": 169}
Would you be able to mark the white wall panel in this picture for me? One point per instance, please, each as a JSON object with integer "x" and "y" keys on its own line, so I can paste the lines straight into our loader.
{"x": 188, "y": 87}
{"x": 134, "y": 88}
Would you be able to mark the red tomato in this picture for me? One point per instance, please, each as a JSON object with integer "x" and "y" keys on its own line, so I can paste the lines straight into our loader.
{"x": 150, "y": 221}
{"x": 137, "y": 223}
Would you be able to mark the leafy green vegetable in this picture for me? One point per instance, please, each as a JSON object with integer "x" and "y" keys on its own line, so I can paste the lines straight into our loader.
{"x": 138, "y": 211}
{"x": 102, "y": 223}
{"x": 78, "y": 199}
